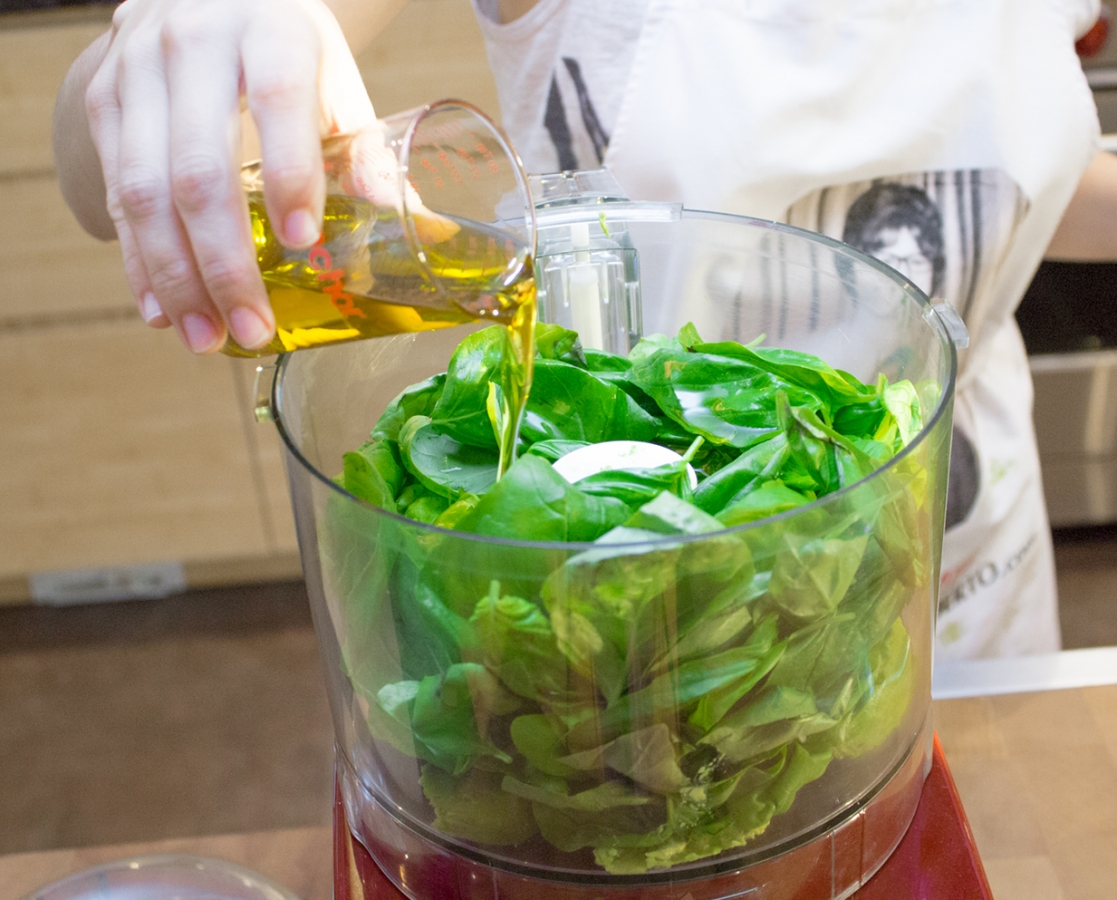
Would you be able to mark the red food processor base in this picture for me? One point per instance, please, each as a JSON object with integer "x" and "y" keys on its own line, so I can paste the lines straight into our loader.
{"x": 935, "y": 860}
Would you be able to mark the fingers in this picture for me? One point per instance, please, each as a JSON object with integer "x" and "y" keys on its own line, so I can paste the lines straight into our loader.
{"x": 163, "y": 109}
{"x": 347, "y": 107}
{"x": 223, "y": 285}
{"x": 281, "y": 68}
{"x": 373, "y": 170}
{"x": 171, "y": 173}
{"x": 152, "y": 236}
{"x": 151, "y": 310}
{"x": 103, "y": 112}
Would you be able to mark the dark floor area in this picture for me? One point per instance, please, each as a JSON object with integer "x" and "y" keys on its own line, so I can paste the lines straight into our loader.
{"x": 206, "y": 713}
{"x": 203, "y": 713}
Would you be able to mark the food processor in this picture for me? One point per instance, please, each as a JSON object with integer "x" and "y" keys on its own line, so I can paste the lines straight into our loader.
{"x": 646, "y": 771}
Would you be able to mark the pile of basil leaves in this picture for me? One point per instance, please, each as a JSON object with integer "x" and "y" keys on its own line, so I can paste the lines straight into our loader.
{"x": 658, "y": 696}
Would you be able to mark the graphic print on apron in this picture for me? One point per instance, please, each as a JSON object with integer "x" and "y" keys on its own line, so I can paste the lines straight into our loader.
{"x": 947, "y": 232}
{"x": 557, "y": 123}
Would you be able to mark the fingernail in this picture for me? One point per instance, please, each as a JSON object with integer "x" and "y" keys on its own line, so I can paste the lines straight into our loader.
{"x": 150, "y": 308}
{"x": 249, "y": 329}
{"x": 300, "y": 229}
{"x": 199, "y": 332}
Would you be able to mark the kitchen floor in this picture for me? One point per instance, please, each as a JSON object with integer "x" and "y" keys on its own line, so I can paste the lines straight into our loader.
{"x": 206, "y": 713}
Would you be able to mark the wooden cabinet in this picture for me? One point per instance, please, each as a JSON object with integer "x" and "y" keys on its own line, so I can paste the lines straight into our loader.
{"x": 117, "y": 446}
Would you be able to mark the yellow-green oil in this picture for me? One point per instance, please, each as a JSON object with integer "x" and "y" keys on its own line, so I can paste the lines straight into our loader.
{"x": 362, "y": 280}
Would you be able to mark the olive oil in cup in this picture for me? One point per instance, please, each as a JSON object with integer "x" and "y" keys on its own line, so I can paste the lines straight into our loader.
{"x": 428, "y": 223}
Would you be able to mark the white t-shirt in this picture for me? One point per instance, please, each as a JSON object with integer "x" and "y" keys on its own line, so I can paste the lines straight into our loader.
{"x": 561, "y": 72}
{"x": 965, "y": 124}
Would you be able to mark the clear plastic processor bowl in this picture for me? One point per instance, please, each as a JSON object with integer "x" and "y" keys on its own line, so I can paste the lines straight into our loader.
{"x": 802, "y": 795}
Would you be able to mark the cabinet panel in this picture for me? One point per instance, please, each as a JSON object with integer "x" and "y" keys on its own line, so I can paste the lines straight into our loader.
{"x": 120, "y": 447}
{"x": 33, "y": 62}
{"x": 433, "y": 49}
{"x": 51, "y": 270}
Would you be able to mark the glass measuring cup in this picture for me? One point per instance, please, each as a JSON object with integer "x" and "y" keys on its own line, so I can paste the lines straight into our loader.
{"x": 428, "y": 223}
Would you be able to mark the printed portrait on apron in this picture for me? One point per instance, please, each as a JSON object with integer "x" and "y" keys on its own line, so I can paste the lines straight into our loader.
{"x": 946, "y": 232}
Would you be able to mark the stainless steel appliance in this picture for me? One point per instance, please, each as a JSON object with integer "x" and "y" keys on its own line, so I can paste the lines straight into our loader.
{"x": 1069, "y": 321}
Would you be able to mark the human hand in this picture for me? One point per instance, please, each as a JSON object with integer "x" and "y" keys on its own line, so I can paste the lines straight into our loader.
{"x": 163, "y": 109}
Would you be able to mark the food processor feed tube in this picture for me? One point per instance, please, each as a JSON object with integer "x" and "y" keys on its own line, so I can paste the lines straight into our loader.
{"x": 552, "y": 690}
{"x": 585, "y": 299}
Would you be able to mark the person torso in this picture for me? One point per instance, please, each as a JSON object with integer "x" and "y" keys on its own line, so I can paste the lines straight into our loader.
{"x": 944, "y": 137}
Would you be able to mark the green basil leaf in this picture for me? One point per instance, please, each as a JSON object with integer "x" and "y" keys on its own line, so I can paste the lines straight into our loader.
{"x": 427, "y": 508}
{"x": 515, "y": 641}
{"x": 556, "y": 342}
{"x": 445, "y": 715}
{"x": 761, "y": 502}
{"x": 384, "y": 456}
{"x": 812, "y": 575}
{"x": 602, "y": 364}
{"x": 610, "y": 795}
{"x": 795, "y": 367}
{"x": 732, "y": 482}
{"x": 532, "y": 502}
{"x": 444, "y": 465}
{"x": 534, "y": 736}
{"x": 461, "y": 411}
{"x": 724, "y": 400}
{"x": 890, "y": 697}
{"x": 636, "y": 487}
{"x": 902, "y": 400}
{"x": 649, "y": 757}
{"x": 475, "y": 808}
{"x": 363, "y": 480}
{"x": 571, "y": 404}
{"x": 555, "y": 450}
{"x": 417, "y": 400}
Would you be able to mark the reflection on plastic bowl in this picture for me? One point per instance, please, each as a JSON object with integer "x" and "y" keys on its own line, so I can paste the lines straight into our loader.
{"x": 167, "y": 877}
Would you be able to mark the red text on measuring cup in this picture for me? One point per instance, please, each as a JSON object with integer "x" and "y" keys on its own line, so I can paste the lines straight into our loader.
{"x": 332, "y": 280}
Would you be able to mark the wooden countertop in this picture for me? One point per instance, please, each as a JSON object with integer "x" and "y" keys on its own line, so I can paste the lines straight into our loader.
{"x": 1037, "y": 772}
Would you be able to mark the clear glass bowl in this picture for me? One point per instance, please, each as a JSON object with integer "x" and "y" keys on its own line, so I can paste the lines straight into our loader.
{"x": 164, "y": 877}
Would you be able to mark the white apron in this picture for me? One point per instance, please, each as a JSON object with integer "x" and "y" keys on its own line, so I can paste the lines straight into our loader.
{"x": 970, "y": 120}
